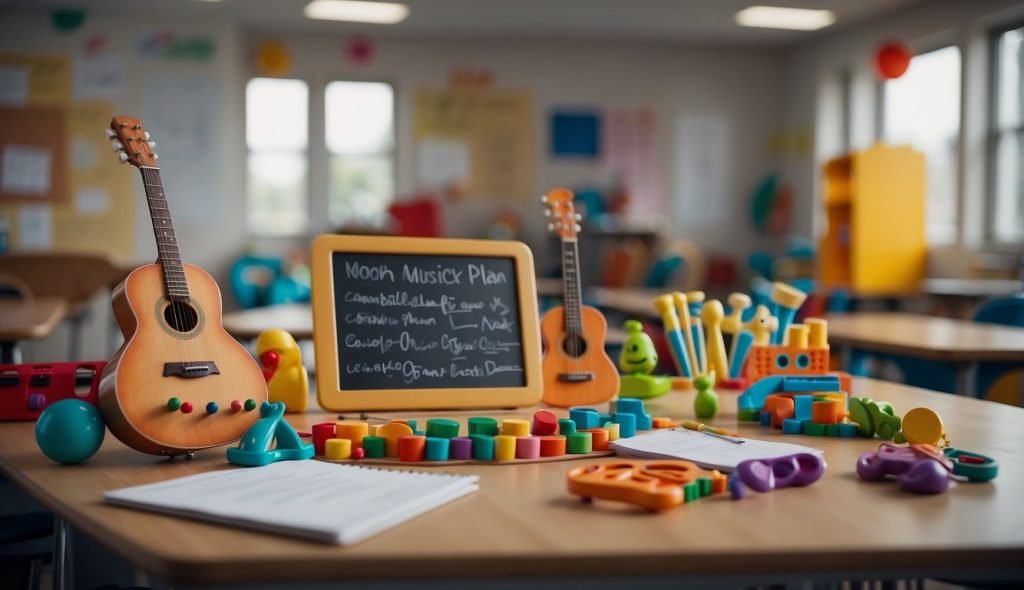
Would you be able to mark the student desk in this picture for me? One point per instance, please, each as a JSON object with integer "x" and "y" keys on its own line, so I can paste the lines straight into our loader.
{"x": 522, "y": 524}
{"x": 962, "y": 343}
{"x": 27, "y": 319}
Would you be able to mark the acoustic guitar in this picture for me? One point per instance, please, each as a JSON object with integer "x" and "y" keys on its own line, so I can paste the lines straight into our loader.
{"x": 576, "y": 369}
{"x": 180, "y": 382}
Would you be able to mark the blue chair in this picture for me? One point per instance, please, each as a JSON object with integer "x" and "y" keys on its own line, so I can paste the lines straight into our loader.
{"x": 1008, "y": 311}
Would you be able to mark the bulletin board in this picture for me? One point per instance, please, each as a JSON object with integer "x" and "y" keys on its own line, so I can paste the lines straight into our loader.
{"x": 481, "y": 140}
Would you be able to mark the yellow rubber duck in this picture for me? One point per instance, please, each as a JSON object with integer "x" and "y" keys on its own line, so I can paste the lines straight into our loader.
{"x": 281, "y": 361}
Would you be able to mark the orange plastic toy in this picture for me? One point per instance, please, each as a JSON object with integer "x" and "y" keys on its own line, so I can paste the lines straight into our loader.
{"x": 653, "y": 485}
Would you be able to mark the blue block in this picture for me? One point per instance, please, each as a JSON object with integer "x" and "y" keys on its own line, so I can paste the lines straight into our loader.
{"x": 766, "y": 419}
{"x": 436, "y": 449}
{"x": 803, "y": 406}
{"x": 754, "y": 396}
{"x": 584, "y": 418}
{"x": 635, "y": 407}
{"x": 810, "y": 383}
{"x": 847, "y": 430}
{"x": 627, "y": 424}
{"x": 791, "y": 426}
{"x": 603, "y": 419}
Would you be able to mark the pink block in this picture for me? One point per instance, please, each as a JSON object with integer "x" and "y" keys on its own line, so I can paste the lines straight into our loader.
{"x": 527, "y": 447}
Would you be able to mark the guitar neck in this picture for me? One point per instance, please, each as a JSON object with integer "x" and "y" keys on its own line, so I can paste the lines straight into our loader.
{"x": 572, "y": 294}
{"x": 175, "y": 284}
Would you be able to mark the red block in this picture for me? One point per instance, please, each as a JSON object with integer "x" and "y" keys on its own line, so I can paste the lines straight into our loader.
{"x": 322, "y": 432}
{"x": 545, "y": 423}
{"x": 411, "y": 447}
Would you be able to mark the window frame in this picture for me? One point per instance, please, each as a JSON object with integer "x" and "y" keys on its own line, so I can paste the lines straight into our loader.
{"x": 993, "y": 134}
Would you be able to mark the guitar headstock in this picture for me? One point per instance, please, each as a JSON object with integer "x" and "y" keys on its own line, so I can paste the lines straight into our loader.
{"x": 131, "y": 142}
{"x": 562, "y": 213}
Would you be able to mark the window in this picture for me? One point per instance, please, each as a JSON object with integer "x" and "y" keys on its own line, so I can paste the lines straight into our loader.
{"x": 922, "y": 108}
{"x": 1007, "y": 211}
{"x": 360, "y": 144}
{"x": 277, "y": 136}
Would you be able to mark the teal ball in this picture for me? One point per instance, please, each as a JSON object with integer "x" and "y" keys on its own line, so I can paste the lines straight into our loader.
{"x": 70, "y": 431}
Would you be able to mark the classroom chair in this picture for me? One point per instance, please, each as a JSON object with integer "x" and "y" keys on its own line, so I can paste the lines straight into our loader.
{"x": 1001, "y": 381}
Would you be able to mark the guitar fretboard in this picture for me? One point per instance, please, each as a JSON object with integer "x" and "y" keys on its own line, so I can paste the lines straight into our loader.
{"x": 572, "y": 297}
{"x": 175, "y": 284}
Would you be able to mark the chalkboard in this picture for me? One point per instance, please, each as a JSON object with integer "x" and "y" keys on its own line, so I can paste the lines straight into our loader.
{"x": 424, "y": 323}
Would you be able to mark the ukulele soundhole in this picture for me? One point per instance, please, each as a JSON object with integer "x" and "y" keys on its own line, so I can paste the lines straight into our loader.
{"x": 180, "y": 318}
{"x": 574, "y": 345}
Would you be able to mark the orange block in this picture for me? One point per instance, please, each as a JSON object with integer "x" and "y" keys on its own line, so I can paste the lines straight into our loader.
{"x": 662, "y": 422}
{"x": 826, "y": 412}
{"x": 600, "y": 437}
{"x": 391, "y": 432}
{"x": 411, "y": 447}
{"x": 552, "y": 446}
{"x": 719, "y": 482}
{"x": 352, "y": 430}
{"x": 780, "y": 407}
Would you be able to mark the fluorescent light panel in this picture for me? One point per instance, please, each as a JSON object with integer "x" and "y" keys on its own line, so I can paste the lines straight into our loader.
{"x": 779, "y": 17}
{"x": 357, "y": 11}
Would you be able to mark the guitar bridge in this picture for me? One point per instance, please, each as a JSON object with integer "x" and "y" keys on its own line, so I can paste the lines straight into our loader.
{"x": 575, "y": 377}
{"x": 191, "y": 369}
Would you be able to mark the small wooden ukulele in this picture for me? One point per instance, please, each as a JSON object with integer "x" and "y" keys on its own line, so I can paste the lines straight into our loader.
{"x": 180, "y": 382}
{"x": 576, "y": 368}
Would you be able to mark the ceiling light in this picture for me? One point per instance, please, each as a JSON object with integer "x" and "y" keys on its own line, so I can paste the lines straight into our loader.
{"x": 384, "y": 13}
{"x": 778, "y": 17}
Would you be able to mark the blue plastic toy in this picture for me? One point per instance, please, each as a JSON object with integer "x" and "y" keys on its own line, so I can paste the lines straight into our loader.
{"x": 254, "y": 448}
{"x": 70, "y": 431}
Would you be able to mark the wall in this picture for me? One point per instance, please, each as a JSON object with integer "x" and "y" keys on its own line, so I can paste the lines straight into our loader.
{"x": 743, "y": 85}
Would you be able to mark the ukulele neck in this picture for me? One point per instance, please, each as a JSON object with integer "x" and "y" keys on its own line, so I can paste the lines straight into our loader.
{"x": 572, "y": 297}
{"x": 175, "y": 284}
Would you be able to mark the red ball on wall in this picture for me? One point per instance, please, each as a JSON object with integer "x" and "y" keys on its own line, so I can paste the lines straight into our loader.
{"x": 892, "y": 60}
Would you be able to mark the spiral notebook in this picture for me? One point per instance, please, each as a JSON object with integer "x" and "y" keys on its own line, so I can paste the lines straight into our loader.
{"x": 325, "y": 502}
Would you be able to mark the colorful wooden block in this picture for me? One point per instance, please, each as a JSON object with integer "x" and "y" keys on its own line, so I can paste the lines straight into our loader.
{"x": 827, "y": 412}
{"x": 322, "y": 432}
{"x": 566, "y": 427}
{"x": 338, "y": 449}
{"x": 412, "y": 424}
{"x": 780, "y": 408}
{"x": 748, "y": 414}
{"x": 847, "y": 430}
{"x": 662, "y": 422}
{"x": 766, "y": 418}
{"x": 527, "y": 447}
{"x": 373, "y": 428}
{"x": 719, "y": 482}
{"x": 352, "y": 430}
{"x": 411, "y": 448}
{"x": 813, "y": 429}
{"x": 635, "y": 407}
{"x": 584, "y": 417}
{"x": 691, "y": 492}
{"x": 603, "y": 419}
{"x": 545, "y": 423}
{"x": 627, "y": 424}
{"x": 802, "y": 407}
{"x": 613, "y": 431}
{"x": 436, "y": 449}
{"x": 579, "y": 443}
{"x": 442, "y": 428}
{"x": 832, "y": 430}
{"x": 374, "y": 447}
{"x": 483, "y": 447}
{"x": 391, "y": 432}
{"x": 705, "y": 486}
{"x": 792, "y": 426}
{"x": 515, "y": 427}
{"x": 482, "y": 425}
{"x": 599, "y": 439}
{"x": 504, "y": 447}
{"x": 552, "y": 446}
{"x": 460, "y": 448}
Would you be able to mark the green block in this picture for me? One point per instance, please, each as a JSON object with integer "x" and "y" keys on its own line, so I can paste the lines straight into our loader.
{"x": 436, "y": 449}
{"x": 749, "y": 415}
{"x": 812, "y": 429}
{"x": 483, "y": 446}
{"x": 832, "y": 430}
{"x": 691, "y": 492}
{"x": 705, "y": 486}
{"x": 373, "y": 446}
{"x": 483, "y": 425}
{"x": 579, "y": 443}
{"x": 847, "y": 430}
{"x": 566, "y": 427}
{"x": 412, "y": 424}
{"x": 442, "y": 428}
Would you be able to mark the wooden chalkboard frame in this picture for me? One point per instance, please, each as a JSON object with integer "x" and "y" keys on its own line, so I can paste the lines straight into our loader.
{"x": 333, "y": 398}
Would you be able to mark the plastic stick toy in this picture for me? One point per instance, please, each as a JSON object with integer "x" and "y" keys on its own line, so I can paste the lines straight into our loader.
{"x": 741, "y": 338}
{"x": 712, "y": 315}
{"x": 786, "y": 300}
{"x": 695, "y": 301}
{"x": 683, "y": 311}
{"x": 674, "y": 335}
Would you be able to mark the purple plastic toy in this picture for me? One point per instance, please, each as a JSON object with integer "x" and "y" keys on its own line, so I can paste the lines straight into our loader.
{"x": 763, "y": 475}
{"x": 921, "y": 469}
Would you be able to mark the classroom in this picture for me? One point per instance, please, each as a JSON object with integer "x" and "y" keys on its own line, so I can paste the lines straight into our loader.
{"x": 721, "y": 294}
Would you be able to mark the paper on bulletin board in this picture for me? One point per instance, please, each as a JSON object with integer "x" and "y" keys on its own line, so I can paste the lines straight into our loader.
{"x": 35, "y": 227}
{"x": 48, "y": 78}
{"x": 497, "y": 128}
{"x": 630, "y": 152}
{"x": 13, "y": 85}
{"x": 441, "y": 163}
{"x": 183, "y": 115}
{"x": 33, "y": 154}
{"x": 25, "y": 169}
{"x": 98, "y": 78}
{"x": 703, "y": 153}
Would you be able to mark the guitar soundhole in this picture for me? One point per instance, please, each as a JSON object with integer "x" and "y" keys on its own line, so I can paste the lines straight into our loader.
{"x": 574, "y": 345}
{"x": 180, "y": 316}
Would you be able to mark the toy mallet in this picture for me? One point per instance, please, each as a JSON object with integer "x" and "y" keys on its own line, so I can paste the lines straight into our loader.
{"x": 785, "y": 301}
{"x": 696, "y": 302}
{"x": 741, "y": 339}
{"x": 712, "y": 315}
{"x": 674, "y": 334}
{"x": 683, "y": 311}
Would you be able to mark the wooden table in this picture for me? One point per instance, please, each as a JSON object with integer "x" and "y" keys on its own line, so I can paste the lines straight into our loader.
{"x": 522, "y": 524}
{"x": 959, "y": 342}
{"x": 27, "y": 319}
{"x": 960, "y": 295}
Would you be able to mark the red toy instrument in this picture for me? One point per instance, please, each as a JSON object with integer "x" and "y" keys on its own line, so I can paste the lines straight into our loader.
{"x": 26, "y": 390}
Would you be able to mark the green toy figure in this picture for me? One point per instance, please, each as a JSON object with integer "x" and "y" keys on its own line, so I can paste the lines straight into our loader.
{"x": 705, "y": 405}
{"x": 637, "y": 359}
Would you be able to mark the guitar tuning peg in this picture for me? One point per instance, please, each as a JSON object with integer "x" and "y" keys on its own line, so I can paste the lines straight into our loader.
{"x": 558, "y": 225}
{"x": 543, "y": 198}
{"x": 576, "y": 227}
{"x": 551, "y": 226}
{"x": 152, "y": 144}
{"x": 123, "y": 157}
{"x": 145, "y": 135}
{"x": 547, "y": 213}
{"x": 116, "y": 146}
{"x": 156, "y": 156}
{"x": 109, "y": 133}
{"x": 579, "y": 217}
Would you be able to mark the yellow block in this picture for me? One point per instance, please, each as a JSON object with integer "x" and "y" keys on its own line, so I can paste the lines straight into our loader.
{"x": 352, "y": 430}
{"x": 504, "y": 447}
{"x": 515, "y": 427}
{"x": 818, "y": 332}
{"x": 613, "y": 430}
{"x": 338, "y": 448}
{"x": 373, "y": 430}
{"x": 391, "y": 432}
{"x": 796, "y": 336}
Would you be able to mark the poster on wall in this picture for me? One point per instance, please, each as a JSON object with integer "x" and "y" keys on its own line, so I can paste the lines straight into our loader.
{"x": 575, "y": 133}
{"x": 493, "y": 129}
{"x": 631, "y": 155}
{"x": 703, "y": 152}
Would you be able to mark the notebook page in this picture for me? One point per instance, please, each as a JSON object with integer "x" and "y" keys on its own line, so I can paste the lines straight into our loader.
{"x": 313, "y": 499}
{"x": 709, "y": 452}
